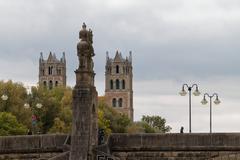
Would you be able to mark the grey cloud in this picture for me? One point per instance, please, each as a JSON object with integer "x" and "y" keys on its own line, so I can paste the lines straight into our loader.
{"x": 168, "y": 39}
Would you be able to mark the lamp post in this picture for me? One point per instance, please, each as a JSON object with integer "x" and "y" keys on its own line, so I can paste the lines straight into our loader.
{"x": 216, "y": 101}
{"x": 39, "y": 105}
{"x": 195, "y": 93}
{"x": 4, "y": 97}
{"x": 34, "y": 118}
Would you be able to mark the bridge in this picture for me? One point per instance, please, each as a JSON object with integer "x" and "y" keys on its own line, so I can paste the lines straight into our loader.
{"x": 171, "y": 146}
{"x": 197, "y": 146}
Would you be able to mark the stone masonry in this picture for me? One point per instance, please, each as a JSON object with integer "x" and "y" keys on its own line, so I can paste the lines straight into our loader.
{"x": 52, "y": 72}
{"x": 118, "y": 83}
{"x": 195, "y": 146}
{"x": 84, "y": 124}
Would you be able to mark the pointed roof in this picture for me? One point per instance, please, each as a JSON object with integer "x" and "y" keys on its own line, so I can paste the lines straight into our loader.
{"x": 50, "y": 57}
{"x": 41, "y": 57}
{"x": 63, "y": 59}
{"x": 118, "y": 57}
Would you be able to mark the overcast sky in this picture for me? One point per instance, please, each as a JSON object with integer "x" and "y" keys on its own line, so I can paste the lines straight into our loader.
{"x": 173, "y": 42}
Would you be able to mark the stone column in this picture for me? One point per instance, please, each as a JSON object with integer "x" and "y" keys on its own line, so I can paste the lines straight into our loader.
{"x": 84, "y": 124}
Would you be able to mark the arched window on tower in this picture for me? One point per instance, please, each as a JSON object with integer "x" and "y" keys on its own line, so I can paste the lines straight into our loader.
{"x": 123, "y": 84}
{"x": 56, "y": 83}
{"x": 111, "y": 84}
{"x": 120, "y": 102}
{"x": 93, "y": 109}
{"x": 114, "y": 102}
{"x": 50, "y": 84}
{"x": 117, "y": 84}
{"x": 59, "y": 72}
{"x": 50, "y": 70}
{"x": 45, "y": 84}
{"x": 117, "y": 69}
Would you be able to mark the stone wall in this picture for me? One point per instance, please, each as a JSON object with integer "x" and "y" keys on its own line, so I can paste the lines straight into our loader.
{"x": 174, "y": 146}
{"x": 217, "y": 146}
{"x": 194, "y": 141}
{"x": 235, "y": 156}
{"x": 31, "y": 147}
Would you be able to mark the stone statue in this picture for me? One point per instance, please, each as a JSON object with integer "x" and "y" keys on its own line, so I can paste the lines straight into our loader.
{"x": 85, "y": 48}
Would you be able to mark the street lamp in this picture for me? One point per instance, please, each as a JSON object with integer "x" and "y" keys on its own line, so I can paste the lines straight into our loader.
{"x": 26, "y": 106}
{"x": 195, "y": 93}
{"x": 216, "y": 101}
{"x": 34, "y": 118}
{"x": 4, "y": 97}
{"x": 39, "y": 105}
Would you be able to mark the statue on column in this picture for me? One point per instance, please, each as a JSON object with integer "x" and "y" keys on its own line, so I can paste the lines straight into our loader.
{"x": 84, "y": 124}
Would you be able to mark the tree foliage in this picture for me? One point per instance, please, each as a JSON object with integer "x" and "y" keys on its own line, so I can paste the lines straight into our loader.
{"x": 157, "y": 123}
{"x": 17, "y": 95}
{"x": 10, "y": 126}
{"x": 56, "y": 104}
{"x": 59, "y": 126}
{"x": 111, "y": 120}
{"x": 55, "y": 115}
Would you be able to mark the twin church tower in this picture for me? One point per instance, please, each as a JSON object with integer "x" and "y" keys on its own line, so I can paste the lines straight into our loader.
{"x": 118, "y": 79}
{"x": 118, "y": 83}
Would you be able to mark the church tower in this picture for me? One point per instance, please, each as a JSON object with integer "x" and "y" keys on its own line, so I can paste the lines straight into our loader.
{"x": 52, "y": 72}
{"x": 118, "y": 83}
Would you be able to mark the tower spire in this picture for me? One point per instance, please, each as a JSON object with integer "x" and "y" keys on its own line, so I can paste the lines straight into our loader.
{"x": 63, "y": 57}
{"x": 107, "y": 56}
{"x": 41, "y": 55}
{"x": 130, "y": 56}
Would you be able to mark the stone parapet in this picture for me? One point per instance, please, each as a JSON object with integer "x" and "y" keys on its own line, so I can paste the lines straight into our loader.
{"x": 32, "y": 144}
{"x": 175, "y": 141}
{"x": 195, "y": 146}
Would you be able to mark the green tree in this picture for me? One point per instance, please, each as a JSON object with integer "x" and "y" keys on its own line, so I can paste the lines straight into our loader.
{"x": 157, "y": 122}
{"x": 140, "y": 127}
{"x": 55, "y": 116}
{"x": 111, "y": 120}
{"x": 10, "y": 126}
{"x": 56, "y": 104}
{"x": 17, "y": 96}
{"x": 103, "y": 123}
{"x": 59, "y": 126}
{"x": 135, "y": 127}
{"x": 66, "y": 108}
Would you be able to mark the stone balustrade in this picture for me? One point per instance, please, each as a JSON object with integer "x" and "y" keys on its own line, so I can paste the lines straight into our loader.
{"x": 197, "y": 146}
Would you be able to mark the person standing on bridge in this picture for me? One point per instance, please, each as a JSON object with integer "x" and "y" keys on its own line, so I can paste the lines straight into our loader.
{"x": 181, "y": 130}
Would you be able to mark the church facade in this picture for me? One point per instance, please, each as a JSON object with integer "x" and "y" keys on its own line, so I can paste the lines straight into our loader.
{"x": 118, "y": 83}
